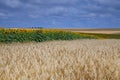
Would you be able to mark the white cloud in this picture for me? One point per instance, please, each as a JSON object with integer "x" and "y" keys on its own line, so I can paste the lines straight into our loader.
{"x": 33, "y": 16}
{"x": 53, "y": 11}
{"x": 2, "y": 14}
{"x": 12, "y": 3}
{"x": 60, "y": 8}
{"x": 105, "y": 15}
{"x": 109, "y": 2}
{"x": 54, "y": 1}
{"x": 57, "y": 10}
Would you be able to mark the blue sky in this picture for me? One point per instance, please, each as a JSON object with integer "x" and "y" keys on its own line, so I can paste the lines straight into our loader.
{"x": 60, "y": 13}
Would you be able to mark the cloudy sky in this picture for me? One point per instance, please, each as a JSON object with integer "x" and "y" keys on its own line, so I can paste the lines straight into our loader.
{"x": 60, "y": 13}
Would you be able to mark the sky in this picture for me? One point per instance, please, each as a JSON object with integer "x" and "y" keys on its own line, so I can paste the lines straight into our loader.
{"x": 60, "y": 13}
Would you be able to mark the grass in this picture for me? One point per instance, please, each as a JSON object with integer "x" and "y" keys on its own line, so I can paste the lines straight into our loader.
{"x": 61, "y": 60}
{"x": 103, "y": 36}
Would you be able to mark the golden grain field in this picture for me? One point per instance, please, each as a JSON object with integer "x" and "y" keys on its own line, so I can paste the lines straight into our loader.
{"x": 61, "y": 60}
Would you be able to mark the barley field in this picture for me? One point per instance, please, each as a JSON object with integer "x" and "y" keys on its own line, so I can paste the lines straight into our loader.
{"x": 61, "y": 60}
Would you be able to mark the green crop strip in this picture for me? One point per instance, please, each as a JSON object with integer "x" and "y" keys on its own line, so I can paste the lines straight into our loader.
{"x": 11, "y": 35}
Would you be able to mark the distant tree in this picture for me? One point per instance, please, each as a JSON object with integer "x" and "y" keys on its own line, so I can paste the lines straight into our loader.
{"x": 38, "y": 27}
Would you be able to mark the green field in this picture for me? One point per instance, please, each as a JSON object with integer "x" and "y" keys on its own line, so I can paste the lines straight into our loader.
{"x": 40, "y": 35}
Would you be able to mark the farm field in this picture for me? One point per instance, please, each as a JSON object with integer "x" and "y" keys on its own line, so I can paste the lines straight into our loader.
{"x": 41, "y": 35}
{"x": 86, "y": 59}
{"x": 97, "y": 31}
{"x": 59, "y": 39}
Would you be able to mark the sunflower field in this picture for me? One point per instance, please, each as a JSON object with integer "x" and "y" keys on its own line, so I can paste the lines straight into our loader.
{"x": 38, "y": 35}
